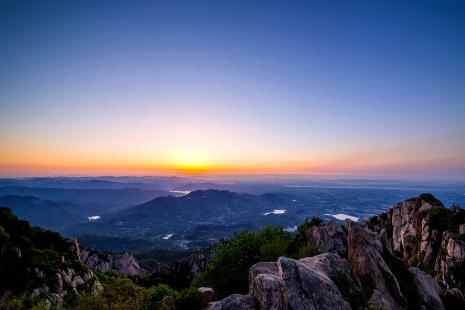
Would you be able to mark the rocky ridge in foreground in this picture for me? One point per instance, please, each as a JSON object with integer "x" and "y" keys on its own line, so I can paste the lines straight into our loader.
{"x": 411, "y": 257}
{"x": 39, "y": 264}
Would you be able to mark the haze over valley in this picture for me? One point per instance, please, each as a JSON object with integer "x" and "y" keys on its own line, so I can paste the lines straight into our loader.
{"x": 187, "y": 213}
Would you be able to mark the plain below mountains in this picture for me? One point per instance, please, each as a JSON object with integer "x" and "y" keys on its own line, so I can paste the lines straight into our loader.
{"x": 198, "y": 217}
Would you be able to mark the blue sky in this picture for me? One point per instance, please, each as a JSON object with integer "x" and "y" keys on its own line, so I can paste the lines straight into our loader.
{"x": 360, "y": 87}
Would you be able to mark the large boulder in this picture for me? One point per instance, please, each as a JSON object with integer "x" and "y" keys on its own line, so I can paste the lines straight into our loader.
{"x": 266, "y": 285}
{"x": 427, "y": 289}
{"x": 309, "y": 286}
{"x": 321, "y": 282}
{"x": 365, "y": 251}
{"x": 207, "y": 294}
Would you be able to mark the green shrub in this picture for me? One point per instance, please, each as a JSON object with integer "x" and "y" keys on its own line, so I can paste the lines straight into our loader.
{"x": 157, "y": 292}
{"x": 188, "y": 299}
{"x": 308, "y": 251}
{"x": 11, "y": 304}
{"x": 439, "y": 219}
{"x": 444, "y": 219}
{"x": 228, "y": 271}
{"x": 4, "y": 236}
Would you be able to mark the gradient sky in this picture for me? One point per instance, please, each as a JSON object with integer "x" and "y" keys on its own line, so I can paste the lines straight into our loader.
{"x": 371, "y": 88}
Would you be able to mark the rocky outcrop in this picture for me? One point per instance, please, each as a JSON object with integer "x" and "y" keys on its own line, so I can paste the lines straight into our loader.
{"x": 450, "y": 263}
{"x": 365, "y": 254}
{"x": 124, "y": 263}
{"x": 324, "y": 281}
{"x": 38, "y": 263}
{"x": 375, "y": 274}
{"x": 330, "y": 238}
{"x": 64, "y": 283}
{"x": 267, "y": 286}
{"x": 410, "y": 228}
{"x": 184, "y": 270}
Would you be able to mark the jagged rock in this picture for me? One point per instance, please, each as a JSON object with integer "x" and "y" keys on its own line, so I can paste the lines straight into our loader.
{"x": 267, "y": 286}
{"x": 365, "y": 256}
{"x": 385, "y": 240}
{"x": 308, "y": 286}
{"x": 73, "y": 247}
{"x": 379, "y": 300}
{"x": 428, "y": 289}
{"x": 330, "y": 238}
{"x": 450, "y": 262}
{"x": 187, "y": 268}
{"x": 124, "y": 263}
{"x": 324, "y": 281}
{"x": 410, "y": 230}
{"x": 235, "y": 302}
{"x": 65, "y": 282}
{"x": 462, "y": 229}
{"x": 340, "y": 272}
{"x": 270, "y": 292}
{"x": 207, "y": 294}
{"x": 261, "y": 268}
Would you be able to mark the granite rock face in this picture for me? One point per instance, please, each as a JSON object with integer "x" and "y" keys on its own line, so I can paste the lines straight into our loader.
{"x": 450, "y": 264}
{"x": 375, "y": 274}
{"x": 66, "y": 282}
{"x": 308, "y": 283}
{"x": 428, "y": 289}
{"x": 365, "y": 254}
{"x": 410, "y": 228}
{"x": 330, "y": 238}
{"x": 186, "y": 268}
{"x": 124, "y": 263}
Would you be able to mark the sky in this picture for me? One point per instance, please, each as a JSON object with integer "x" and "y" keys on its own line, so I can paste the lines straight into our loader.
{"x": 356, "y": 88}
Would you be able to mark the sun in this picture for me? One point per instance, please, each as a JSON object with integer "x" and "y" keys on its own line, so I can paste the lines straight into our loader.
{"x": 191, "y": 161}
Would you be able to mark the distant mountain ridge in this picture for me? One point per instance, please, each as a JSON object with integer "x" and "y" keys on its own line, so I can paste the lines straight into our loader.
{"x": 181, "y": 216}
{"x": 43, "y": 213}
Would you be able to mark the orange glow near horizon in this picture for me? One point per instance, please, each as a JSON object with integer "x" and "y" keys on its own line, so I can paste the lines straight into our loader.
{"x": 198, "y": 157}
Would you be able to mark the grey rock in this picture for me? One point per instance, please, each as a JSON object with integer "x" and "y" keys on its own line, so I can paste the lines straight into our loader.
{"x": 235, "y": 302}
{"x": 428, "y": 289}
{"x": 207, "y": 294}
{"x": 195, "y": 263}
{"x": 270, "y": 292}
{"x": 73, "y": 247}
{"x": 379, "y": 300}
{"x": 124, "y": 263}
{"x": 462, "y": 229}
{"x": 446, "y": 264}
{"x": 309, "y": 286}
{"x": 365, "y": 257}
{"x": 168, "y": 300}
{"x": 261, "y": 268}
